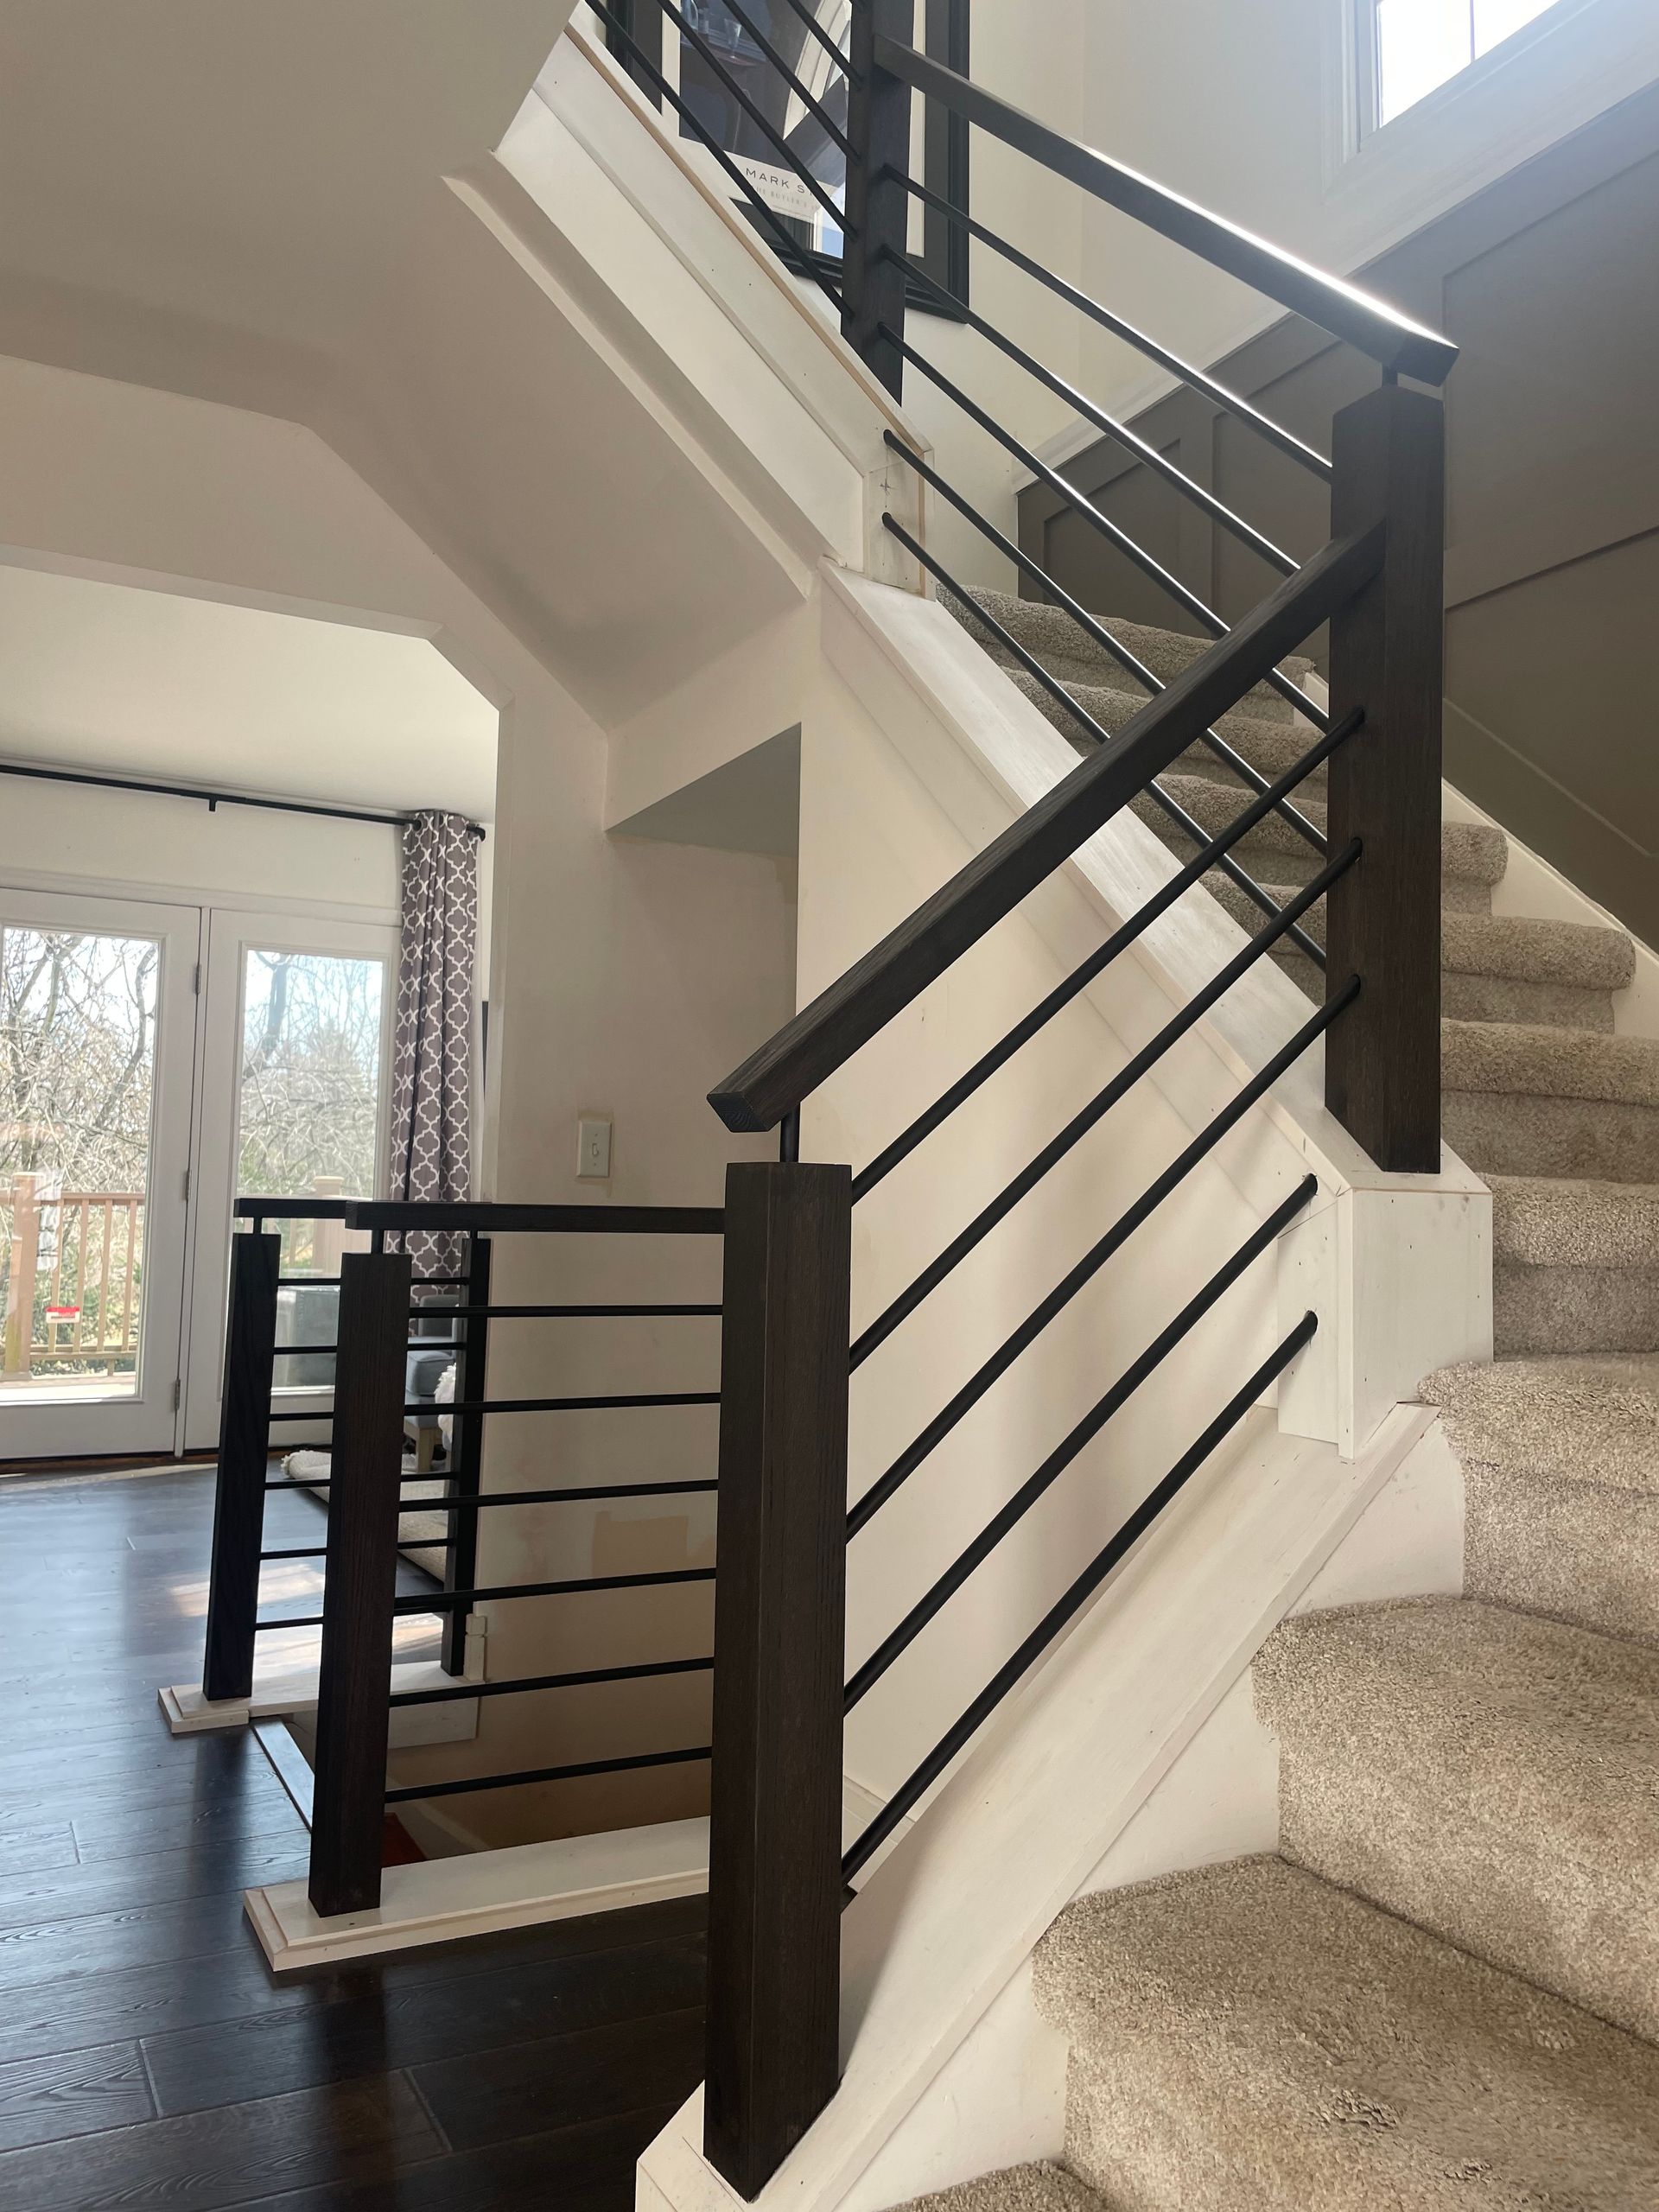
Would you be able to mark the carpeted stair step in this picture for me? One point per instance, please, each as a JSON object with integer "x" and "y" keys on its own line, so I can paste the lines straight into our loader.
{"x": 1248, "y": 2039}
{"x": 1269, "y": 747}
{"x": 1494, "y": 968}
{"x": 1040, "y": 2188}
{"x": 1577, "y": 1265}
{"x": 1067, "y": 651}
{"x": 1561, "y": 1463}
{"x": 1523, "y": 1099}
{"x": 1488, "y": 1774}
{"x": 1469, "y": 853}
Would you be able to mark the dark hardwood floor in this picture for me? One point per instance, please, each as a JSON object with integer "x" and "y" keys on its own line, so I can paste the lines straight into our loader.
{"x": 147, "y": 2057}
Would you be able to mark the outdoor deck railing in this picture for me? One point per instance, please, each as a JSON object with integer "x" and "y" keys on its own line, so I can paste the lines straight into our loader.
{"x": 73, "y": 1264}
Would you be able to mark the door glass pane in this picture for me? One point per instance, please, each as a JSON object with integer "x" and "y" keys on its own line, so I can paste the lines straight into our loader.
{"x": 309, "y": 1123}
{"x": 77, "y": 1093}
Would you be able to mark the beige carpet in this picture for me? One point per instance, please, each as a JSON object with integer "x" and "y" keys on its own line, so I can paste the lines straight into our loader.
{"x": 1444, "y": 1992}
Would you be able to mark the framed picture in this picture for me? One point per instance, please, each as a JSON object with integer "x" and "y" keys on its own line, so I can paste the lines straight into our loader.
{"x": 716, "y": 59}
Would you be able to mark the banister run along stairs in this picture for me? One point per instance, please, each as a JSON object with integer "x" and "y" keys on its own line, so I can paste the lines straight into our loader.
{"x": 1485, "y": 1771}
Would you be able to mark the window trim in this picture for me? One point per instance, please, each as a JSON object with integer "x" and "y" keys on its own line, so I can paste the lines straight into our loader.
{"x": 1364, "y": 74}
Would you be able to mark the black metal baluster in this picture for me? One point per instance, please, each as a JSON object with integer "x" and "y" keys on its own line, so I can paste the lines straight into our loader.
{"x": 467, "y": 1442}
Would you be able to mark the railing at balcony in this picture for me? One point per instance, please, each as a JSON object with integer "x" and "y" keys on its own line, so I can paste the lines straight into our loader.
{"x": 73, "y": 1276}
{"x": 380, "y": 1302}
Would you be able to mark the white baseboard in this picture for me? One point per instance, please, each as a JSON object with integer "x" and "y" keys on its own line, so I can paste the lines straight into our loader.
{"x": 481, "y": 1893}
{"x": 278, "y": 1695}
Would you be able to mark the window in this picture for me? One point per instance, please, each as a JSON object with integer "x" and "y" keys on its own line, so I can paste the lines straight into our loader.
{"x": 1413, "y": 47}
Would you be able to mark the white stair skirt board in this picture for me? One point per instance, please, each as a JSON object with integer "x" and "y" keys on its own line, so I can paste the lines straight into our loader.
{"x": 294, "y": 1689}
{"x": 483, "y": 1892}
{"x": 1052, "y": 1782}
{"x": 440, "y": 1900}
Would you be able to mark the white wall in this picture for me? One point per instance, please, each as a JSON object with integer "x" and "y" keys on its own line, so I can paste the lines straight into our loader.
{"x": 68, "y": 837}
{"x": 1244, "y": 110}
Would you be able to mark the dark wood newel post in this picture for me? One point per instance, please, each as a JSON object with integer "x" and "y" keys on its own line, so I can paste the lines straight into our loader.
{"x": 243, "y": 1454}
{"x": 774, "y": 1871}
{"x": 878, "y": 205}
{"x": 366, "y": 1474}
{"x": 1383, "y": 1056}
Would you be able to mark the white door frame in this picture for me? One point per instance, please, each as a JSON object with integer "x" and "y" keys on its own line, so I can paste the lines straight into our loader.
{"x": 148, "y": 1420}
{"x": 231, "y": 932}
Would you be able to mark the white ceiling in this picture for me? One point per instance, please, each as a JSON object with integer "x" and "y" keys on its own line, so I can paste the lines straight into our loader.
{"x": 141, "y": 684}
{"x": 246, "y": 200}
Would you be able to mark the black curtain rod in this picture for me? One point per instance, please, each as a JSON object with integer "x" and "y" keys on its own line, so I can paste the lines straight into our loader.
{"x": 213, "y": 800}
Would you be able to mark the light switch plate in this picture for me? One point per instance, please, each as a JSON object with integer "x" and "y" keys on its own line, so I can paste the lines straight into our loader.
{"x": 592, "y": 1149}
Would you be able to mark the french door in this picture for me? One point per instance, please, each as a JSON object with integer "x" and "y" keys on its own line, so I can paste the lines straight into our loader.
{"x": 98, "y": 1043}
{"x": 157, "y": 1063}
{"x": 297, "y": 1027}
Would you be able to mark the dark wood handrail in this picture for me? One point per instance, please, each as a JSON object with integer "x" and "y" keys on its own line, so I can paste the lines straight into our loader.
{"x": 545, "y": 1221}
{"x": 825, "y": 1034}
{"x": 1359, "y": 317}
{"x": 313, "y": 1208}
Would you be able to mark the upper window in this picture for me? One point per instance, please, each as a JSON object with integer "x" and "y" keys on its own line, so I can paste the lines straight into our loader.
{"x": 1413, "y": 47}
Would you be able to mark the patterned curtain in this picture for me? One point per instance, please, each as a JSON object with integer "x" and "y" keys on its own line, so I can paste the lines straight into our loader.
{"x": 432, "y": 1059}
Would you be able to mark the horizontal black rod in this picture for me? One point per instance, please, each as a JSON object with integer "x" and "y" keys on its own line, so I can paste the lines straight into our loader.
{"x": 572, "y": 1405}
{"x": 545, "y": 1774}
{"x": 1080, "y": 978}
{"x": 534, "y": 1405}
{"x": 266, "y": 1209}
{"x": 787, "y": 246}
{"x": 1098, "y": 1107}
{"x": 485, "y": 1220}
{"x": 1097, "y": 633}
{"x": 302, "y": 1551}
{"x": 509, "y": 1496}
{"x": 813, "y": 106}
{"x": 300, "y": 1620}
{"x": 324, "y": 1482}
{"x": 1095, "y": 1258}
{"x": 1060, "y": 1615}
{"x": 526, "y": 1683}
{"x": 1344, "y": 309}
{"x": 569, "y": 1313}
{"x": 440, "y": 1601}
{"x": 1148, "y": 455}
{"x": 556, "y": 1497}
{"x": 974, "y": 1555}
{"x": 756, "y": 114}
{"x": 215, "y": 799}
{"x": 1197, "y": 380}
{"x": 1087, "y": 511}
{"x": 1172, "y": 808}
{"x": 414, "y": 1343}
{"x": 824, "y": 1035}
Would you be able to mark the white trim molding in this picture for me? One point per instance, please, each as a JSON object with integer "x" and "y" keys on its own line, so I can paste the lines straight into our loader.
{"x": 1553, "y": 76}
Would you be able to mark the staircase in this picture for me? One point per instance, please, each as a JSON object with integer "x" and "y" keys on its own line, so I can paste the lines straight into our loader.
{"x": 1444, "y": 1990}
